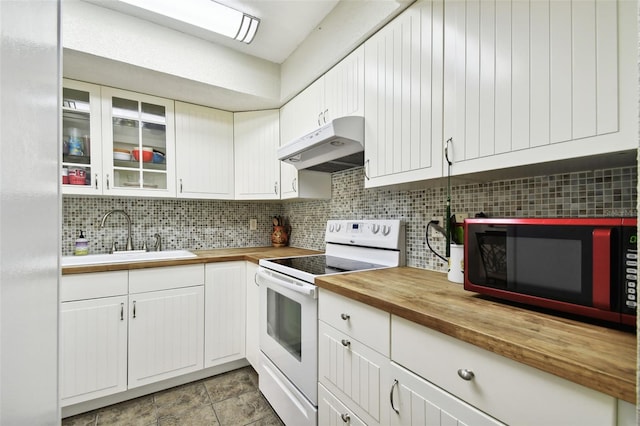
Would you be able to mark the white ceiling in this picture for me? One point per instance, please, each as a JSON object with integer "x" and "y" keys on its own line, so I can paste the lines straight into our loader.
{"x": 284, "y": 24}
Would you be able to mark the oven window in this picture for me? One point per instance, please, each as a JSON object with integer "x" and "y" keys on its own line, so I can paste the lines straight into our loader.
{"x": 284, "y": 322}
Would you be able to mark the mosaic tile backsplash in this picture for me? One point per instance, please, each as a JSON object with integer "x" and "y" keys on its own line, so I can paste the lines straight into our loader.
{"x": 200, "y": 224}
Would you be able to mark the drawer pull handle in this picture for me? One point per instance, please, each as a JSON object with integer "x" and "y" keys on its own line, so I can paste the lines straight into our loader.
{"x": 134, "y": 308}
{"x": 121, "y": 311}
{"x": 345, "y": 343}
{"x": 393, "y": 386}
{"x": 466, "y": 374}
{"x": 345, "y": 316}
{"x": 345, "y": 417}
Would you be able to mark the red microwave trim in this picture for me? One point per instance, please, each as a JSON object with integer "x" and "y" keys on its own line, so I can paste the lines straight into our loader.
{"x": 601, "y": 268}
{"x": 579, "y": 221}
{"x": 547, "y": 303}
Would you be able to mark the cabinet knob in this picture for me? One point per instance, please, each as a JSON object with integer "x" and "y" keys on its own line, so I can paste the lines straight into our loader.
{"x": 345, "y": 343}
{"x": 345, "y": 417}
{"x": 466, "y": 374}
{"x": 345, "y": 316}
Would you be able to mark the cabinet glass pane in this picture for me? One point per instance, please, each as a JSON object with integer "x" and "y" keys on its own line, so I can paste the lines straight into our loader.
{"x": 76, "y": 128}
{"x": 139, "y": 133}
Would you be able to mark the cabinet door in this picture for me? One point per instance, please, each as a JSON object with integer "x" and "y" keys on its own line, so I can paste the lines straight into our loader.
{"x": 257, "y": 168}
{"x": 225, "y": 300}
{"x": 166, "y": 334}
{"x": 252, "y": 338}
{"x": 537, "y": 81}
{"x": 403, "y": 97}
{"x": 354, "y": 373}
{"x": 93, "y": 348}
{"x": 416, "y": 402}
{"x": 204, "y": 152}
{"x": 81, "y": 146}
{"x": 344, "y": 87}
{"x": 299, "y": 183}
{"x": 143, "y": 127}
{"x": 332, "y": 412}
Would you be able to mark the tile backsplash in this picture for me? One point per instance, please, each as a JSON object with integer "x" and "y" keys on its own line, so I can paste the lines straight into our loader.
{"x": 201, "y": 224}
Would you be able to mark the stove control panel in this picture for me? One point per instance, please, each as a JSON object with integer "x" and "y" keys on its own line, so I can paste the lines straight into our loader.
{"x": 379, "y": 233}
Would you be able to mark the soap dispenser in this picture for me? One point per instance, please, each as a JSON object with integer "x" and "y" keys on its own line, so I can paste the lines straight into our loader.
{"x": 82, "y": 245}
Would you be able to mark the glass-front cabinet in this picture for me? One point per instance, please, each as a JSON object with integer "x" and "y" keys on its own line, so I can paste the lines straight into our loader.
{"x": 81, "y": 168}
{"x": 138, "y": 144}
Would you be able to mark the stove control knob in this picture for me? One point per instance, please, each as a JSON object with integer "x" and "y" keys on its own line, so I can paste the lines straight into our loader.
{"x": 386, "y": 229}
{"x": 338, "y": 226}
{"x": 331, "y": 227}
{"x": 375, "y": 228}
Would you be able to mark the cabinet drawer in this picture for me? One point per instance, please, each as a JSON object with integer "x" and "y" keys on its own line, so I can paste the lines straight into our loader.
{"x": 93, "y": 285}
{"x": 333, "y": 412}
{"x": 369, "y": 325}
{"x": 505, "y": 389}
{"x": 153, "y": 279}
{"x": 353, "y": 372}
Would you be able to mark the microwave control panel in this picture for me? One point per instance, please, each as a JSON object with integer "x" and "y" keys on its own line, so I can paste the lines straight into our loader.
{"x": 630, "y": 250}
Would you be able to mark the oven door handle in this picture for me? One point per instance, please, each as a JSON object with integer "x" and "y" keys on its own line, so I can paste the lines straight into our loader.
{"x": 297, "y": 286}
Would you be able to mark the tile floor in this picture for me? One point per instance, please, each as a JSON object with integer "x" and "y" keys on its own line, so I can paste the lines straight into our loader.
{"x": 228, "y": 399}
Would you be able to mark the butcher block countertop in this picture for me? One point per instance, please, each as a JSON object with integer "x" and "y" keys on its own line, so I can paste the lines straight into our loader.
{"x": 597, "y": 357}
{"x": 252, "y": 254}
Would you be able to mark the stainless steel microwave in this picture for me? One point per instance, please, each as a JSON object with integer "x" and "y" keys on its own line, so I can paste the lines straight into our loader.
{"x": 583, "y": 266}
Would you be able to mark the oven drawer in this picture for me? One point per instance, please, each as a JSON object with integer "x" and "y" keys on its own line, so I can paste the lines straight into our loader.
{"x": 505, "y": 389}
{"x": 369, "y": 325}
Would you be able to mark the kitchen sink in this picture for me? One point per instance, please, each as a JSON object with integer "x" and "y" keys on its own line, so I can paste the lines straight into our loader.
{"x": 121, "y": 257}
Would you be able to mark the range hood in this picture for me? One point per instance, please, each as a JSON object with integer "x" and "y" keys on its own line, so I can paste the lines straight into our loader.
{"x": 336, "y": 146}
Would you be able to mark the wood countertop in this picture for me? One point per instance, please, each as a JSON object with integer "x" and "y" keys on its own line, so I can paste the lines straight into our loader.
{"x": 252, "y": 254}
{"x": 597, "y": 357}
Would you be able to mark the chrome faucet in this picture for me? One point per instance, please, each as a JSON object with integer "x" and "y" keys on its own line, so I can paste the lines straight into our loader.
{"x": 158, "y": 244}
{"x": 129, "y": 240}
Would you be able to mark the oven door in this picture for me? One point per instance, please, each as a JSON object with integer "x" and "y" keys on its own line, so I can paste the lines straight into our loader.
{"x": 289, "y": 328}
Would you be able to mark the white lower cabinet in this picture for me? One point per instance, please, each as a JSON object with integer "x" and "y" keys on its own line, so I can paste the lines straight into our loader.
{"x": 332, "y": 412}
{"x": 93, "y": 348}
{"x": 416, "y": 402}
{"x": 252, "y": 336}
{"x": 225, "y": 296}
{"x": 93, "y": 336}
{"x": 505, "y": 389}
{"x": 165, "y": 334}
{"x": 121, "y": 330}
{"x": 349, "y": 368}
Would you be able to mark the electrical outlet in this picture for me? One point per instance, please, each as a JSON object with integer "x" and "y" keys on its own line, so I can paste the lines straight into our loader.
{"x": 439, "y": 219}
{"x": 460, "y": 217}
{"x": 253, "y": 224}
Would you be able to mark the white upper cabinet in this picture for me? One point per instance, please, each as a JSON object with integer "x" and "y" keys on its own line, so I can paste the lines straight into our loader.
{"x": 257, "y": 168}
{"x": 81, "y": 138}
{"x": 403, "y": 97}
{"x": 338, "y": 93}
{"x": 143, "y": 127}
{"x": 204, "y": 152}
{"x": 536, "y": 81}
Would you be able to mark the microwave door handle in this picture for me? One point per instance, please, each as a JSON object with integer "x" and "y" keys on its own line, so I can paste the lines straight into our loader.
{"x": 601, "y": 268}
{"x": 303, "y": 288}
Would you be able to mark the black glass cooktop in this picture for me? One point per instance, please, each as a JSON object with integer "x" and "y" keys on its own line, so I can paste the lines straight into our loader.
{"x": 321, "y": 264}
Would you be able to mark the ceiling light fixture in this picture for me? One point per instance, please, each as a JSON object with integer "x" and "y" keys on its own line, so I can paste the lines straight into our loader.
{"x": 205, "y": 14}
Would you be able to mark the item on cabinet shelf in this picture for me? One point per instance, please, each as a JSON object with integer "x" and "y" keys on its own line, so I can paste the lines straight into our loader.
{"x": 82, "y": 245}
{"x": 65, "y": 176}
{"x": 456, "y": 264}
{"x": 158, "y": 157}
{"x": 77, "y": 176}
{"x": 76, "y": 146}
{"x": 121, "y": 154}
{"x": 147, "y": 154}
